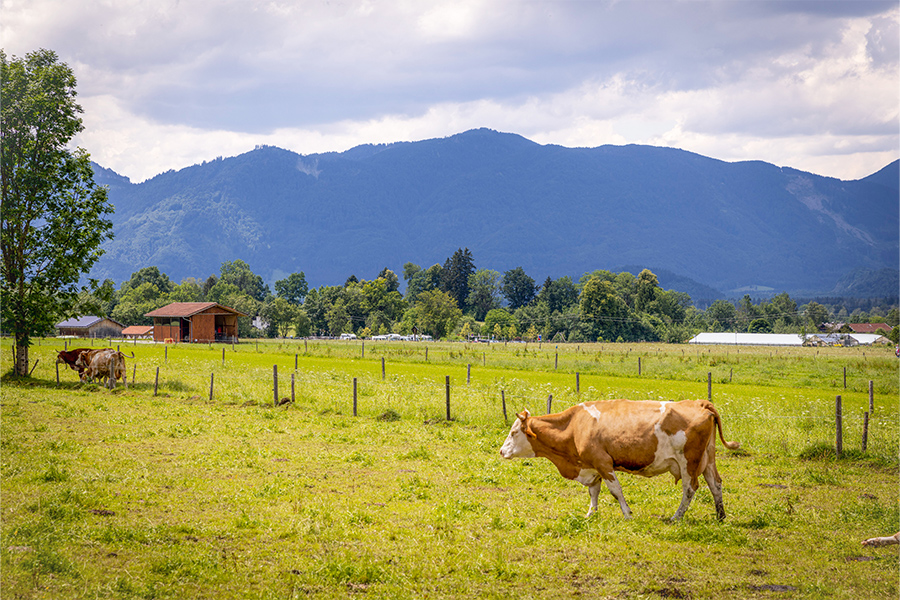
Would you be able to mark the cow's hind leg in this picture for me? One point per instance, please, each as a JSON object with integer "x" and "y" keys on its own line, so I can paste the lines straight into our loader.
{"x": 714, "y": 482}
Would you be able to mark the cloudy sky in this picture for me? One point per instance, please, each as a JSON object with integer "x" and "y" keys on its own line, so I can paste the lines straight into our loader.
{"x": 811, "y": 84}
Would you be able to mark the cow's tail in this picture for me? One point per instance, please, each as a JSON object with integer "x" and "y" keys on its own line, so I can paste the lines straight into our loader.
{"x": 729, "y": 445}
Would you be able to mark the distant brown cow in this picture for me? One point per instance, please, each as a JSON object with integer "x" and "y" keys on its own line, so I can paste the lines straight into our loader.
{"x": 592, "y": 440}
{"x": 69, "y": 357}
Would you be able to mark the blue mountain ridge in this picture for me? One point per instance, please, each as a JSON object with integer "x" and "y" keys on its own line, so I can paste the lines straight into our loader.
{"x": 552, "y": 210}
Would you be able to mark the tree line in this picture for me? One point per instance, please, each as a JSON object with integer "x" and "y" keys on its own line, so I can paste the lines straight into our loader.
{"x": 456, "y": 300}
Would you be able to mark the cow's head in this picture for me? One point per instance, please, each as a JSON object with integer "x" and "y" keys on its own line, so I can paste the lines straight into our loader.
{"x": 518, "y": 442}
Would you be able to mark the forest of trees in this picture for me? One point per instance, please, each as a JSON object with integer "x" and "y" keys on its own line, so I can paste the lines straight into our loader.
{"x": 457, "y": 300}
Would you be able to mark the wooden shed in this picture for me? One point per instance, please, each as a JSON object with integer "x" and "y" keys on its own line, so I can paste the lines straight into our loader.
{"x": 202, "y": 322}
{"x": 90, "y": 327}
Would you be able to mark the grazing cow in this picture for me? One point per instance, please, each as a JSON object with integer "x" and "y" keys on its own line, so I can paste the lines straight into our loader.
{"x": 69, "y": 357}
{"x": 883, "y": 541}
{"x": 591, "y": 441}
{"x": 104, "y": 364}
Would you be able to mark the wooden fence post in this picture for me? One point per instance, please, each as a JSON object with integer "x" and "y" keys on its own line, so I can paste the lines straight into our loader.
{"x": 166, "y": 354}
{"x": 549, "y": 403}
{"x": 133, "y": 374}
{"x": 468, "y": 373}
{"x": 871, "y": 396}
{"x": 556, "y": 362}
{"x": 57, "y": 374}
{"x": 212, "y": 377}
{"x": 709, "y": 386}
{"x": 223, "y": 357}
{"x": 639, "y": 366}
{"x": 845, "y": 378}
{"x": 354, "y": 396}
{"x": 382, "y": 368}
{"x": 295, "y": 361}
{"x": 865, "y": 438}
{"x": 292, "y": 388}
{"x": 839, "y": 427}
{"x": 275, "y": 383}
{"x": 156, "y": 382}
{"x": 363, "y": 350}
{"x": 447, "y": 386}
{"x": 503, "y": 400}
{"x": 577, "y": 383}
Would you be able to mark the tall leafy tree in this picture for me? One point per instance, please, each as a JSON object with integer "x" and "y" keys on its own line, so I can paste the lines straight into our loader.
{"x": 151, "y": 275}
{"x": 423, "y": 281}
{"x": 53, "y": 214}
{"x": 293, "y": 288}
{"x": 437, "y": 313}
{"x": 484, "y": 292}
{"x": 280, "y": 314}
{"x": 238, "y": 273}
{"x": 559, "y": 294}
{"x": 518, "y": 288}
{"x": 604, "y": 312}
{"x": 393, "y": 282}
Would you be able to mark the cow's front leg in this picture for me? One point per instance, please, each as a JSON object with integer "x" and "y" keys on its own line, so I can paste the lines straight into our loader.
{"x": 615, "y": 488}
{"x": 594, "y": 490}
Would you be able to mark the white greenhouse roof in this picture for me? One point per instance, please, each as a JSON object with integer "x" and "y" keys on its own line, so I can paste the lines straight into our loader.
{"x": 748, "y": 339}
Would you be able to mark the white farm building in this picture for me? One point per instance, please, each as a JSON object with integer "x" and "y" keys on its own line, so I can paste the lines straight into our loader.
{"x": 776, "y": 339}
{"x": 748, "y": 339}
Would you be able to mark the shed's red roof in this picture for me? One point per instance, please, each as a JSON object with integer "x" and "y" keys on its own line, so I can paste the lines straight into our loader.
{"x": 138, "y": 330}
{"x": 189, "y": 309}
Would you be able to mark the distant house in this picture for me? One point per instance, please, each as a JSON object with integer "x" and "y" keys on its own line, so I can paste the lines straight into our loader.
{"x": 202, "y": 322}
{"x": 138, "y": 332}
{"x": 90, "y": 327}
{"x": 869, "y": 327}
{"x": 854, "y": 327}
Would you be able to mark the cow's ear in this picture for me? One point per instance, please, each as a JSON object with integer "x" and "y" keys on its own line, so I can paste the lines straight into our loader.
{"x": 525, "y": 417}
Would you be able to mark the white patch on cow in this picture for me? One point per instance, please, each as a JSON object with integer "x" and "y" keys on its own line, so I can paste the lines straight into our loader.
{"x": 669, "y": 454}
{"x": 592, "y": 410}
{"x": 587, "y": 476}
{"x": 516, "y": 444}
{"x": 663, "y": 405}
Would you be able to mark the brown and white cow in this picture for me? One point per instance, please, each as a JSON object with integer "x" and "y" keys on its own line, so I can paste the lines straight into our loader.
{"x": 591, "y": 441}
{"x": 103, "y": 364}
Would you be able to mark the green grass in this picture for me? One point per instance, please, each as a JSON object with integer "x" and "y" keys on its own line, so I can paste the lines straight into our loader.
{"x": 123, "y": 494}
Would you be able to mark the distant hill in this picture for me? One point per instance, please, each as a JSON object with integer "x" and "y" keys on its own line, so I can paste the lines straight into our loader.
{"x": 552, "y": 210}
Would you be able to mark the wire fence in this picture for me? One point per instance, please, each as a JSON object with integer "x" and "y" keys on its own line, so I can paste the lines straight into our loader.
{"x": 374, "y": 386}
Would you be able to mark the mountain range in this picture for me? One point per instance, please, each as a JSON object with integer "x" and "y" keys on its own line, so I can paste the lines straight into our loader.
{"x": 550, "y": 209}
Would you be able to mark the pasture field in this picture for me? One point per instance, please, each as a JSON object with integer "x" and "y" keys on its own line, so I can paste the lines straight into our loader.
{"x": 126, "y": 494}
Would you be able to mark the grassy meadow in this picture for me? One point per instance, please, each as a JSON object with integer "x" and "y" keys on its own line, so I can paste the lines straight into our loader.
{"x": 208, "y": 489}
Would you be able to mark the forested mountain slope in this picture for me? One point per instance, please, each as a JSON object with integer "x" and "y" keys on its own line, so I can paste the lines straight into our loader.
{"x": 553, "y": 210}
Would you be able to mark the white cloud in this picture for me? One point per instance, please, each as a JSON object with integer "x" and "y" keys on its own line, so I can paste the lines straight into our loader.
{"x": 168, "y": 84}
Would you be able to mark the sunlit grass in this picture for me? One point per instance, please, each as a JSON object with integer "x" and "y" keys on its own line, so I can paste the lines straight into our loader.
{"x": 123, "y": 494}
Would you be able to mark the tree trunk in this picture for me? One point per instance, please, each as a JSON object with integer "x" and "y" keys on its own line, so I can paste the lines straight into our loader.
{"x": 21, "y": 357}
